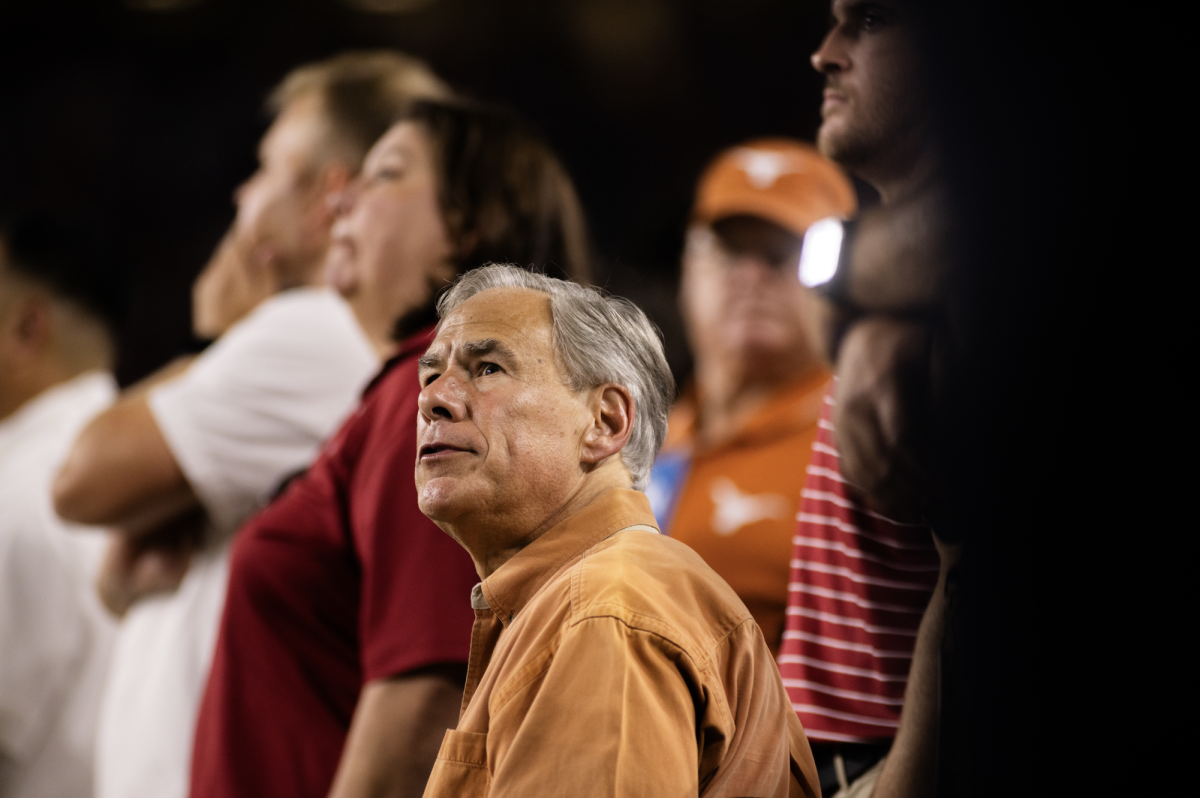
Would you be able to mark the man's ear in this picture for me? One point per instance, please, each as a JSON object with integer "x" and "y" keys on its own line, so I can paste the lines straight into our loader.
{"x": 612, "y": 413}
{"x": 29, "y": 325}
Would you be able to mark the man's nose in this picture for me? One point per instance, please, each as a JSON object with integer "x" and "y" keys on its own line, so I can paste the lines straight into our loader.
{"x": 443, "y": 399}
{"x": 753, "y": 267}
{"x": 831, "y": 55}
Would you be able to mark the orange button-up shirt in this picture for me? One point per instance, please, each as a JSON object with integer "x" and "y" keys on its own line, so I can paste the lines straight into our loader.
{"x": 609, "y": 660}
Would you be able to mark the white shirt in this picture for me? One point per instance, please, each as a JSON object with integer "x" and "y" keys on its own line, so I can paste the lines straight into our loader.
{"x": 251, "y": 411}
{"x": 55, "y": 638}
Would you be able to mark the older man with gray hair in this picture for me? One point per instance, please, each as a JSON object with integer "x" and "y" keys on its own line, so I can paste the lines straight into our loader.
{"x": 606, "y": 659}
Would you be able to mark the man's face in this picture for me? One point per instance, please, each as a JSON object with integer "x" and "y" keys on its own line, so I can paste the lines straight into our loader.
{"x": 281, "y": 214}
{"x": 390, "y": 241}
{"x": 872, "y": 102}
{"x": 499, "y": 434}
{"x": 739, "y": 294}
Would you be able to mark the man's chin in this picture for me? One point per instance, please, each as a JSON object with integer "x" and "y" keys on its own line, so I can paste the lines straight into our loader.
{"x": 829, "y": 138}
{"x": 438, "y": 499}
{"x": 854, "y": 149}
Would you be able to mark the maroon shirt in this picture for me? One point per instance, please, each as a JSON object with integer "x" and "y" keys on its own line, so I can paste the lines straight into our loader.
{"x": 340, "y": 581}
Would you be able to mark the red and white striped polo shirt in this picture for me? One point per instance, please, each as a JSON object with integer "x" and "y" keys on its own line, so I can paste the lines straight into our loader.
{"x": 859, "y": 586}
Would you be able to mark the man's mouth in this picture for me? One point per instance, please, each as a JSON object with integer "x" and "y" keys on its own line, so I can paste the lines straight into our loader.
{"x": 434, "y": 451}
{"x": 832, "y": 97}
{"x": 833, "y": 106}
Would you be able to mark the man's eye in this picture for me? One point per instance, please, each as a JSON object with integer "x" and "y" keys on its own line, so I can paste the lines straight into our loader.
{"x": 429, "y": 380}
{"x": 873, "y": 19}
{"x": 489, "y": 368}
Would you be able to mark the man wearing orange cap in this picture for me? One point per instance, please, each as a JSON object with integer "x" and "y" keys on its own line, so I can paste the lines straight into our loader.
{"x": 727, "y": 482}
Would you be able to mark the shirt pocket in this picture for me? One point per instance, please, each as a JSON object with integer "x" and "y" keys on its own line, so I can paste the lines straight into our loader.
{"x": 461, "y": 769}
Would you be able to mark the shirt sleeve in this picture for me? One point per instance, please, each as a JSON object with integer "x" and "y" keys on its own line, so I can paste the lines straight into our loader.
{"x": 255, "y": 407}
{"x": 611, "y": 715}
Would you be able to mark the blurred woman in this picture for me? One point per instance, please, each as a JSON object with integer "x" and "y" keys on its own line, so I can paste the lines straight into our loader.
{"x": 445, "y": 190}
{"x": 347, "y": 624}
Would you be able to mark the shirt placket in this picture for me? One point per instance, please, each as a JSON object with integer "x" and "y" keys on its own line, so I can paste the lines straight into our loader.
{"x": 485, "y": 633}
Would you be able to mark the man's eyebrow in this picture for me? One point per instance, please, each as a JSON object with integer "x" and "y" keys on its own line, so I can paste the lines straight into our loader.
{"x": 856, "y": 9}
{"x": 429, "y": 360}
{"x": 488, "y": 346}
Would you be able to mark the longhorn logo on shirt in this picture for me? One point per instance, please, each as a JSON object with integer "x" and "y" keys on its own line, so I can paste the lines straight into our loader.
{"x": 733, "y": 509}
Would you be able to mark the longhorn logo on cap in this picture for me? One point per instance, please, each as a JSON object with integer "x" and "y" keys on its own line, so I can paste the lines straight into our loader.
{"x": 764, "y": 167}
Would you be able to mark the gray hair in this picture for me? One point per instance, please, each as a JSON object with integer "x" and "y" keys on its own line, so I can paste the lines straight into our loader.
{"x": 598, "y": 338}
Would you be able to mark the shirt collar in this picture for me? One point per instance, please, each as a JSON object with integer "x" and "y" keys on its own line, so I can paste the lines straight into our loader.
{"x": 515, "y": 583}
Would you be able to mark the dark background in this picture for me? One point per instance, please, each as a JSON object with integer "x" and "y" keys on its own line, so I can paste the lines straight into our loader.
{"x": 145, "y": 115}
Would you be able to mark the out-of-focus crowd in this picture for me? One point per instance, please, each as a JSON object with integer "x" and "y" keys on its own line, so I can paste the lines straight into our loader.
{"x": 430, "y": 517}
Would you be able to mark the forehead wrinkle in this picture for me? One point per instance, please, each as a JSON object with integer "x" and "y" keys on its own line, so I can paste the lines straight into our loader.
{"x": 459, "y": 319}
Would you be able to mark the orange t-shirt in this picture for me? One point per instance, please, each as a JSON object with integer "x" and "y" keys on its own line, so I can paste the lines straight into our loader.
{"x": 735, "y": 503}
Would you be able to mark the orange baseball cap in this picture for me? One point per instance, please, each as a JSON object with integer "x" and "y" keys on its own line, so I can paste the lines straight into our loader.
{"x": 783, "y": 181}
